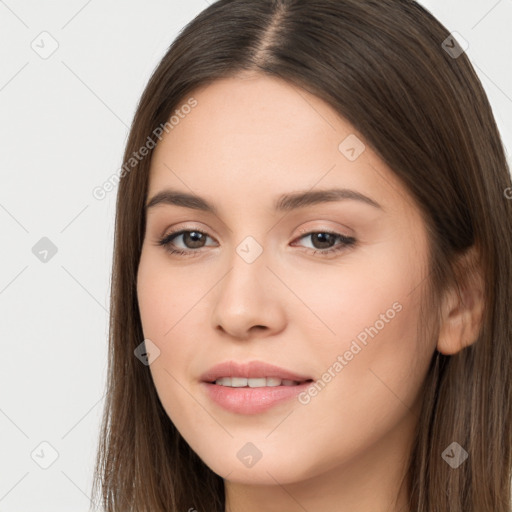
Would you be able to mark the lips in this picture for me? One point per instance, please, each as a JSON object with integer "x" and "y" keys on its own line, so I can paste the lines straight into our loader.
{"x": 251, "y": 370}
{"x": 281, "y": 385}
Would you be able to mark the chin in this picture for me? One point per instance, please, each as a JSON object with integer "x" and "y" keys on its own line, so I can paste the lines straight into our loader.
{"x": 268, "y": 470}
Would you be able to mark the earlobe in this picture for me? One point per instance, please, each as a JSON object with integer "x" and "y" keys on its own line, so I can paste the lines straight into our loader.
{"x": 462, "y": 314}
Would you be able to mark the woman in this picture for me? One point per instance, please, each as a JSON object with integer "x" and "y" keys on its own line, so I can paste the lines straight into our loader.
{"x": 312, "y": 271}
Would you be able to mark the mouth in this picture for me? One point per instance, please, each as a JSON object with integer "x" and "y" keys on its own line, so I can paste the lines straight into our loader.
{"x": 233, "y": 373}
{"x": 243, "y": 382}
{"x": 251, "y": 388}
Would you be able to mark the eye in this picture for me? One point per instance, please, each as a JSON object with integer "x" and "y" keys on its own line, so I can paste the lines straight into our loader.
{"x": 324, "y": 242}
{"x": 195, "y": 238}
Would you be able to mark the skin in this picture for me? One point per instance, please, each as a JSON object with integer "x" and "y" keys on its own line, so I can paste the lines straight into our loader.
{"x": 249, "y": 140}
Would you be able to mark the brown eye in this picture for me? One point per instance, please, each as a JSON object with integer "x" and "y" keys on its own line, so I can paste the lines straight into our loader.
{"x": 323, "y": 242}
{"x": 192, "y": 239}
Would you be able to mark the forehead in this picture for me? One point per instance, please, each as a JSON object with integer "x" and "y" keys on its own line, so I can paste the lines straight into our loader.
{"x": 255, "y": 137}
{"x": 240, "y": 116}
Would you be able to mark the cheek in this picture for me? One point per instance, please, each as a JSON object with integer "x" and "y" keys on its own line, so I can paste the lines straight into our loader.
{"x": 375, "y": 355}
{"x": 168, "y": 309}
{"x": 373, "y": 294}
{"x": 364, "y": 333}
{"x": 164, "y": 297}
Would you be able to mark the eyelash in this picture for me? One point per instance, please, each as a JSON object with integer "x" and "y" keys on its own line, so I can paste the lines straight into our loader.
{"x": 166, "y": 242}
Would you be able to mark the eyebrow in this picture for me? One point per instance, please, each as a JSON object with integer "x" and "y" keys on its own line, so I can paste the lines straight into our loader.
{"x": 283, "y": 203}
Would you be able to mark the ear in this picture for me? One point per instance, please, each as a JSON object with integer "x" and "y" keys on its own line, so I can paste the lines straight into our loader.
{"x": 462, "y": 314}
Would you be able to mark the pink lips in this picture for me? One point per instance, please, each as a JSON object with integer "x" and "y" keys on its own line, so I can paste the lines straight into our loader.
{"x": 250, "y": 370}
{"x": 246, "y": 400}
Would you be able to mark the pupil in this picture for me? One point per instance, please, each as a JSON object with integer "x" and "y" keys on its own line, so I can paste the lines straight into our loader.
{"x": 322, "y": 236}
{"x": 192, "y": 235}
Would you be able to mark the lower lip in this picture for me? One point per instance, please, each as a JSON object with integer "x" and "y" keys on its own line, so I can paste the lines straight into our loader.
{"x": 252, "y": 400}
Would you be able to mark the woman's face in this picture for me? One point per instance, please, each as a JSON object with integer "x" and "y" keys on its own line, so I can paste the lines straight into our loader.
{"x": 251, "y": 288}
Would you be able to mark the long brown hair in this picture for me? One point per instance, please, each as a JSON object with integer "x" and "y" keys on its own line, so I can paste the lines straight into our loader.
{"x": 390, "y": 69}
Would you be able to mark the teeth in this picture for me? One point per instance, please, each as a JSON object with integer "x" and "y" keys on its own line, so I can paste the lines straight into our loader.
{"x": 240, "y": 382}
{"x": 257, "y": 383}
{"x": 290, "y": 383}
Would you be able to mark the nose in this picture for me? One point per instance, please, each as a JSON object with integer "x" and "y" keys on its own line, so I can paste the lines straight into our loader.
{"x": 249, "y": 300}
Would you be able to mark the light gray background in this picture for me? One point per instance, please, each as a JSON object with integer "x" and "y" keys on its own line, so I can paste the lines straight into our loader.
{"x": 63, "y": 125}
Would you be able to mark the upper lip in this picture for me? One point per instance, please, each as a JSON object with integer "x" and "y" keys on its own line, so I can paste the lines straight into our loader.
{"x": 250, "y": 370}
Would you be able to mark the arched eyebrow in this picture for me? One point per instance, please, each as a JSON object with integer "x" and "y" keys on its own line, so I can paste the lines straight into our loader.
{"x": 284, "y": 203}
